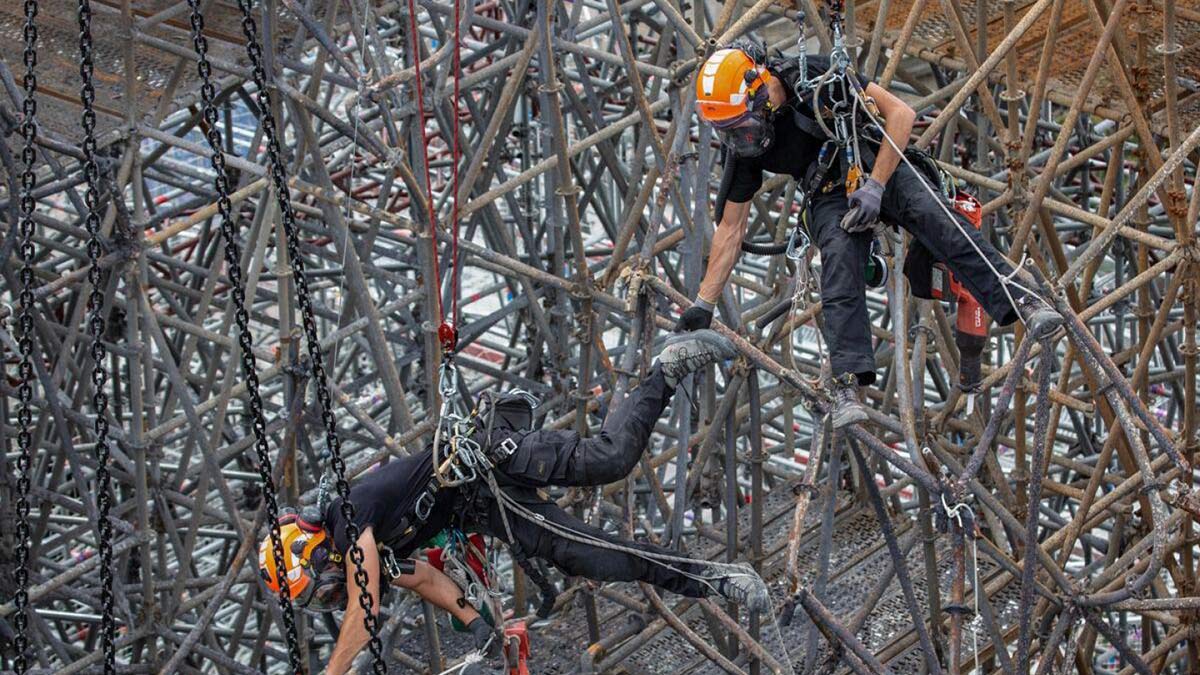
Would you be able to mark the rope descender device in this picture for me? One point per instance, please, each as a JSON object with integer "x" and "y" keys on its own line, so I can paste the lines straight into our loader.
{"x": 448, "y": 337}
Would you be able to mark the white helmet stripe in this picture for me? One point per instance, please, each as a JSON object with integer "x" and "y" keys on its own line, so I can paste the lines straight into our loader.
{"x": 709, "y": 71}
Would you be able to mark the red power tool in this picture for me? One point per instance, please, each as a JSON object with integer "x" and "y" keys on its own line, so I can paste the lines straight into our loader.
{"x": 516, "y": 648}
{"x": 971, "y": 326}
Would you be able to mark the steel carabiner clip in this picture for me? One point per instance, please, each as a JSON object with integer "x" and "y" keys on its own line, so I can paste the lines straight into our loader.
{"x": 798, "y": 244}
{"x": 424, "y": 505}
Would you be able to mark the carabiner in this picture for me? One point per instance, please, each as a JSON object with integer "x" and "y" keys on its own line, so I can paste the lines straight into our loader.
{"x": 424, "y": 505}
{"x": 798, "y": 244}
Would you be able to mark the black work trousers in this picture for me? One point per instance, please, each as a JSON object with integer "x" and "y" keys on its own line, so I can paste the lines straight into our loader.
{"x": 907, "y": 204}
{"x": 564, "y": 458}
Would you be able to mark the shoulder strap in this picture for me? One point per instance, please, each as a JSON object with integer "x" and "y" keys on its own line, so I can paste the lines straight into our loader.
{"x": 807, "y": 123}
{"x": 728, "y": 167}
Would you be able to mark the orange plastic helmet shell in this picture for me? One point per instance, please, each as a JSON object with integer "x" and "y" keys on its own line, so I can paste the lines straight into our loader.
{"x": 722, "y": 91}
{"x": 297, "y": 579}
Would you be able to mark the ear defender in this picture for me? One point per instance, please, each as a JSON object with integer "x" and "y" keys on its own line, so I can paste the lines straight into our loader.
{"x": 876, "y": 271}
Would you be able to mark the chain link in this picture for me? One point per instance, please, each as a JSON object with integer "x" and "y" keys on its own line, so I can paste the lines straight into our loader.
{"x": 25, "y": 339}
{"x": 233, "y": 256}
{"x": 308, "y": 320}
{"x": 95, "y": 324}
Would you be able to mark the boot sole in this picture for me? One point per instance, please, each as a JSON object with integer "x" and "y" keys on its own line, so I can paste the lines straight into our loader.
{"x": 705, "y": 335}
{"x": 848, "y": 417}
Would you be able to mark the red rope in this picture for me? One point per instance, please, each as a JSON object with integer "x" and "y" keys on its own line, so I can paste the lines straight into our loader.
{"x": 446, "y": 331}
{"x": 454, "y": 271}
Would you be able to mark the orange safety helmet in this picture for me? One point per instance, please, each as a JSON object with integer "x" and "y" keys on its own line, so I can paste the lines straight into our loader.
{"x": 307, "y": 570}
{"x": 729, "y": 86}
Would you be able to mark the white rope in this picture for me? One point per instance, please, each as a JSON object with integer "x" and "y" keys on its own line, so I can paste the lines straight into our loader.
{"x": 953, "y": 512}
{"x": 1005, "y": 280}
{"x": 468, "y": 660}
{"x": 1011, "y": 275}
{"x": 662, "y": 559}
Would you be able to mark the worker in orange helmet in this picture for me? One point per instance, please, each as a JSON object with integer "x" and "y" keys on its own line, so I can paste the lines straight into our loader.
{"x": 402, "y": 504}
{"x": 764, "y": 114}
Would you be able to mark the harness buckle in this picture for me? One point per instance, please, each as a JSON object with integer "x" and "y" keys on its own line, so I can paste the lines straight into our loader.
{"x": 424, "y": 505}
{"x": 504, "y": 449}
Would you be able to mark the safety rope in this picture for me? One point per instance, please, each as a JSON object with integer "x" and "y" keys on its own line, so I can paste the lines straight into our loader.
{"x": 447, "y": 331}
{"x": 468, "y": 660}
{"x": 237, "y": 292}
{"x": 476, "y": 589}
{"x": 96, "y": 325}
{"x": 312, "y": 338}
{"x": 25, "y": 338}
{"x": 507, "y": 502}
{"x": 456, "y": 157}
{"x": 1006, "y": 281}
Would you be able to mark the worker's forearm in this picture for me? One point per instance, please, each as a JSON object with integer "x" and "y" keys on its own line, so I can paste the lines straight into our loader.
{"x": 899, "y": 127}
{"x": 350, "y": 641}
{"x": 726, "y": 247}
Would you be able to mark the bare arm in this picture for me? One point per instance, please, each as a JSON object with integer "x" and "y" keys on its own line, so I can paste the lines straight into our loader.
{"x": 726, "y": 248}
{"x": 426, "y": 580}
{"x": 899, "y": 125}
{"x": 354, "y": 634}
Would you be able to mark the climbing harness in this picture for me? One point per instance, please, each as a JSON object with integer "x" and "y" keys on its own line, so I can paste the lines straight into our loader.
{"x": 315, "y": 356}
{"x": 96, "y": 325}
{"x": 237, "y": 290}
{"x": 25, "y": 310}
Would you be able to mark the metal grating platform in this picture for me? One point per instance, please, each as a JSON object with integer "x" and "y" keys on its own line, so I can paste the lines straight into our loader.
{"x": 1076, "y": 39}
{"x": 58, "y": 64}
{"x": 859, "y": 557}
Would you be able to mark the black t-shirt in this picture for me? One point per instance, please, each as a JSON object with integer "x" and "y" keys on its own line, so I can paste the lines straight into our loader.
{"x": 385, "y": 496}
{"x": 792, "y": 152}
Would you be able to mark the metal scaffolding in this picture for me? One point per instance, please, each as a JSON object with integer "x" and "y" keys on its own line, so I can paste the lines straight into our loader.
{"x": 1044, "y": 524}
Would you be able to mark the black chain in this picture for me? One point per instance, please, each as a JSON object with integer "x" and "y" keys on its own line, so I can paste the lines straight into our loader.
{"x": 25, "y": 338}
{"x": 95, "y": 321}
{"x": 279, "y": 180}
{"x": 233, "y": 256}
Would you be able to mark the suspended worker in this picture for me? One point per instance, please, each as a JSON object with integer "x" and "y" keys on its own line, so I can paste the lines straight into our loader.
{"x": 762, "y": 110}
{"x": 402, "y": 505}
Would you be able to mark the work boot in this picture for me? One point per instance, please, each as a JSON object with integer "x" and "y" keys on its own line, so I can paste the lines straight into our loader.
{"x": 746, "y": 589}
{"x": 686, "y": 353}
{"x": 847, "y": 409}
{"x": 1040, "y": 318}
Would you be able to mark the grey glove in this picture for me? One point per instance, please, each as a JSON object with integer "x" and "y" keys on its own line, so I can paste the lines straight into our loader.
{"x": 864, "y": 207}
{"x": 484, "y": 636}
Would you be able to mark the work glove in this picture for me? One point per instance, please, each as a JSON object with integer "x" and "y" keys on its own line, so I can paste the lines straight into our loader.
{"x": 696, "y": 317}
{"x": 864, "y": 207}
{"x": 485, "y": 637}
